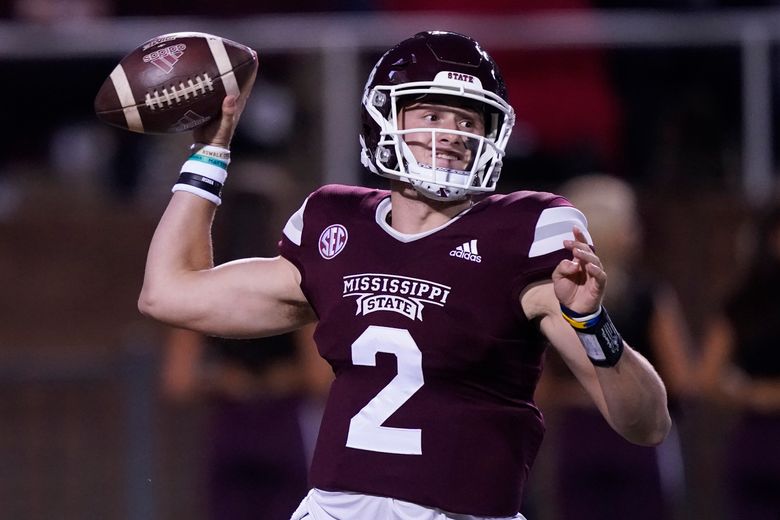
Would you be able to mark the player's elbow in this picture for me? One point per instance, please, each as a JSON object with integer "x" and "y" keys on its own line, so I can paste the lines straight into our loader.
{"x": 169, "y": 306}
{"x": 656, "y": 436}
{"x": 146, "y": 303}
{"x": 650, "y": 432}
{"x": 152, "y": 304}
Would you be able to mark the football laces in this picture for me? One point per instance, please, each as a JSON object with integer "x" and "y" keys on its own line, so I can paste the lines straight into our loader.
{"x": 174, "y": 94}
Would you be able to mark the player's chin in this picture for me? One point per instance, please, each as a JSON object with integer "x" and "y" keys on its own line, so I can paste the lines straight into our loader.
{"x": 407, "y": 190}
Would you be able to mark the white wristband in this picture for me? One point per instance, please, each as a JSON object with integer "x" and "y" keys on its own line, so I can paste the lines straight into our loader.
{"x": 204, "y": 172}
{"x": 197, "y": 191}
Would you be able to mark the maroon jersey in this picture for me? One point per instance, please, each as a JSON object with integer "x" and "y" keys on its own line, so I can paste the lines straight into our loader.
{"x": 435, "y": 362}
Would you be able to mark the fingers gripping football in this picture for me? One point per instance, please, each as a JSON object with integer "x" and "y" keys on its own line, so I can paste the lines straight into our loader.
{"x": 219, "y": 131}
{"x": 580, "y": 283}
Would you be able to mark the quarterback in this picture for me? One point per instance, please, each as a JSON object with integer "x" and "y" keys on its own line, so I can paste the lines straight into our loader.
{"x": 434, "y": 300}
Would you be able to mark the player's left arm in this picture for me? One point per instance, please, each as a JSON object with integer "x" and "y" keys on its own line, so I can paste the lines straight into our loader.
{"x": 622, "y": 383}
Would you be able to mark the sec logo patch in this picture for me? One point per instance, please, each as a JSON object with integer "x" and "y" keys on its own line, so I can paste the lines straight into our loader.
{"x": 333, "y": 240}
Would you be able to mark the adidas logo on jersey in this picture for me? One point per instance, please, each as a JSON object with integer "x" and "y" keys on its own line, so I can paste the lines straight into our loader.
{"x": 467, "y": 251}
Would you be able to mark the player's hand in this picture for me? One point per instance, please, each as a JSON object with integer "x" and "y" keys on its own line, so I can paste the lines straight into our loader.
{"x": 579, "y": 283}
{"x": 219, "y": 132}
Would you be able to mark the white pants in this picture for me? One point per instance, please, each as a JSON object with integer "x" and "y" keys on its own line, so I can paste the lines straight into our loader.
{"x": 328, "y": 505}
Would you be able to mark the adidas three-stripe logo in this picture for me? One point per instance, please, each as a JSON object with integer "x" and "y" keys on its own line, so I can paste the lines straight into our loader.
{"x": 467, "y": 251}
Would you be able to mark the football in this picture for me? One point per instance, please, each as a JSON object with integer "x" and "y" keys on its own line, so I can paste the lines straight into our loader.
{"x": 174, "y": 82}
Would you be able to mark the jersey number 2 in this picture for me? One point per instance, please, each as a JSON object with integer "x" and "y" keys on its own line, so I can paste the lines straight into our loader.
{"x": 365, "y": 429}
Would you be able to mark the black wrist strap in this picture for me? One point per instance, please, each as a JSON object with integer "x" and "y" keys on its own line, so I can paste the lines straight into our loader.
{"x": 602, "y": 341}
{"x": 202, "y": 182}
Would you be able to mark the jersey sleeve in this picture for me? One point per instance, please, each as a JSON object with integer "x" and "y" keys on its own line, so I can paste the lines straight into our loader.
{"x": 552, "y": 224}
{"x": 300, "y": 241}
{"x": 555, "y": 225}
{"x": 291, "y": 243}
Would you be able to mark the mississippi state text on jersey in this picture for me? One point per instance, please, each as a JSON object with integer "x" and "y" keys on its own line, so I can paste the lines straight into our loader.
{"x": 435, "y": 361}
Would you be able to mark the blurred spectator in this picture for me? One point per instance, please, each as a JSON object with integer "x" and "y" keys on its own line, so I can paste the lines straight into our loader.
{"x": 741, "y": 369}
{"x": 597, "y": 474}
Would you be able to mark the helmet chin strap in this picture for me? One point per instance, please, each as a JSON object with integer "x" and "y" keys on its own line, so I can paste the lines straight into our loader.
{"x": 441, "y": 194}
{"x": 426, "y": 183}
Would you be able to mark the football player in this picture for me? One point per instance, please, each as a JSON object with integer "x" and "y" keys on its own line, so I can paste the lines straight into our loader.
{"x": 434, "y": 299}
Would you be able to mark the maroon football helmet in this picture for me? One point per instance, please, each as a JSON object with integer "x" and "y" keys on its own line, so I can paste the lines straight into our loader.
{"x": 445, "y": 68}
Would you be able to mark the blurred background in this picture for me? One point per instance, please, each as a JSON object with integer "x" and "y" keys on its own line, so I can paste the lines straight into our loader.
{"x": 105, "y": 415}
